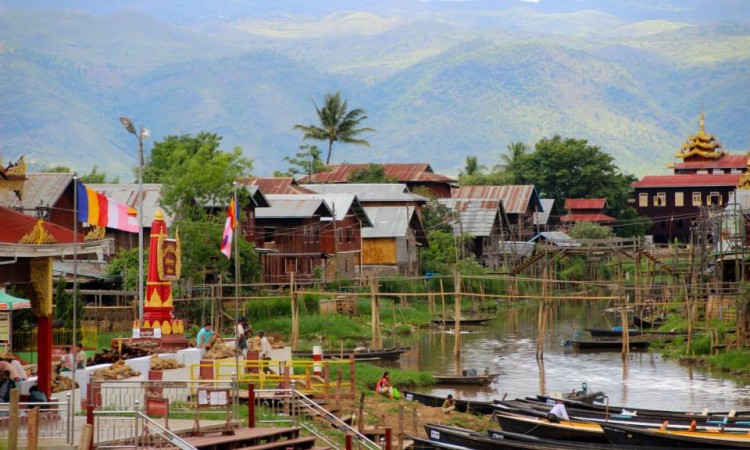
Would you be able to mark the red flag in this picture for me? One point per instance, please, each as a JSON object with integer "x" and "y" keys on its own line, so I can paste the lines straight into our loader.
{"x": 226, "y": 240}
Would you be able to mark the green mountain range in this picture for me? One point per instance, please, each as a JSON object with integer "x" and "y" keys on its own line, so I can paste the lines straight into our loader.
{"x": 439, "y": 80}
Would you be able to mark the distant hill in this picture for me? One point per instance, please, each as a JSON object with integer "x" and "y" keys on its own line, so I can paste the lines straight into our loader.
{"x": 439, "y": 80}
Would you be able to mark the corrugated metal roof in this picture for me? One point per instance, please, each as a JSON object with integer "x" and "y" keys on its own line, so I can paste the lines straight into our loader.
{"x": 725, "y": 162}
{"x": 257, "y": 195}
{"x": 688, "y": 180}
{"x": 558, "y": 238}
{"x": 477, "y": 215}
{"x": 542, "y": 217}
{"x": 477, "y": 192}
{"x": 276, "y": 185}
{"x": 585, "y": 203}
{"x": 293, "y": 207}
{"x": 388, "y": 221}
{"x": 340, "y": 204}
{"x": 38, "y": 189}
{"x": 128, "y": 194}
{"x": 587, "y": 218}
{"x": 375, "y": 192}
{"x": 517, "y": 199}
{"x": 409, "y": 172}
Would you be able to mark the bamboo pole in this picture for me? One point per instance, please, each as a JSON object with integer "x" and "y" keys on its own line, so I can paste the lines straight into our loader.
{"x": 457, "y": 320}
{"x": 295, "y": 313}
{"x": 375, "y": 311}
{"x": 442, "y": 298}
{"x": 13, "y": 420}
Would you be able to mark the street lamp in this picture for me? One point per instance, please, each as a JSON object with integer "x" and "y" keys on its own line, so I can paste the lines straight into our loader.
{"x": 143, "y": 134}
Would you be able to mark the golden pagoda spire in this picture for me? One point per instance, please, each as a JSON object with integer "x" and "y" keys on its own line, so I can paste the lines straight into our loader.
{"x": 744, "y": 182}
{"x": 701, "y": 144}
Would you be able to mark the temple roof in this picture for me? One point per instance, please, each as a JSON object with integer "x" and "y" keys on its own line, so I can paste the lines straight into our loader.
{"x": 725, "y": 162}
{"x": 701, "y": 144}
{"x": 653, "y": 181}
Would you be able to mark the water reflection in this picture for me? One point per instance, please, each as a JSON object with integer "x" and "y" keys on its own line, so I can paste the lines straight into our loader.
{"x": 508, "y": 345}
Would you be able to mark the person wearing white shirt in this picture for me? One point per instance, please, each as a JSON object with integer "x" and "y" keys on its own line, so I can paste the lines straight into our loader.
{"x": 559, "y": 412}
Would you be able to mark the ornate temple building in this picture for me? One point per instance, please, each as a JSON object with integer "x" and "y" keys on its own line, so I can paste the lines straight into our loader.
{"x": 707, "y": 176}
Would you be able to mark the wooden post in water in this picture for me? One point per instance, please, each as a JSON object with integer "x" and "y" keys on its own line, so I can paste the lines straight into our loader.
{"x": 542, "y": 319}
{"x": 457, "y": 320}
{"x": 377, "y": 340}
{"x": 624, "y": 323}
{"x": 14, "y": 412}
{"x": 442, "y": 297}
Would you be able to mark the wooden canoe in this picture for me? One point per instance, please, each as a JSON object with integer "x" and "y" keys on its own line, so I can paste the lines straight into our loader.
{"x": 543, "y": 428}
{"x": 608, "y": 344}
{"x": 464, "y": 321}
{"x": 624, "y": 435}
{"x": 476, "y": 380}
{"x": 391, "y": 354}
{"x": 471, "y": 406}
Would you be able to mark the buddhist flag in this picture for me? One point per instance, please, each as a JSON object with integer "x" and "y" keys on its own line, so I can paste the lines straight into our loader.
{"x": 226, "y": 240}
{"x": 98, "y": 209}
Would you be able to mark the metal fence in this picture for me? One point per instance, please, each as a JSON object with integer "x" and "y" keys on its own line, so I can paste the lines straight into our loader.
{"x": 325, "y": 379}
{"x": 26, "y": 340}
{"x": 128, "y": 429}
{"x": 55, "y": 421}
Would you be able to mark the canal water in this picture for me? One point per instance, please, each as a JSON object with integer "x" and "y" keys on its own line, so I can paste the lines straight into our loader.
{"x": 507, "y": 346}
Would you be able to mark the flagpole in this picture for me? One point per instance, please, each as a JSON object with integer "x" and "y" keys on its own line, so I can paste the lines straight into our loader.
{"x": 75, "y": 286}
{"x": 236, "y": 237}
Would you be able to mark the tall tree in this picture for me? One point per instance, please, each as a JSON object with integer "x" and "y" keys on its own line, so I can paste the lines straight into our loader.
{"x": 336, "y": 124}
{"x": 372, "y": 173}
{"x": 472, "y": 167}
{"x": 512, "y": 161}
{"x": 572, "y": 168}
{"x": 306, "y": 161}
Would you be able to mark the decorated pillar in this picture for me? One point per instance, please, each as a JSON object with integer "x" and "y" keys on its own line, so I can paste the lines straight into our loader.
{"x": 41, "y": 304}
{"x": 163, "y": 269}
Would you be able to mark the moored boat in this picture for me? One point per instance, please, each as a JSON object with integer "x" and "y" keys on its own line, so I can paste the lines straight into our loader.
{"x": 476, "y": 380}
{"x": 541, "y": 427}
{"x": 651, "y": 322}
{"x": 391, "y": 354}
{"x": 471, "y": 406}
{"x": 624, "y": 435}
{"x": 609, "y": 344}
{"x": 464, "y": 321}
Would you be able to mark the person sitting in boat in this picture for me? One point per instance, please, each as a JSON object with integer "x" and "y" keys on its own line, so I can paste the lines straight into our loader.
{"x": 449, "y": 404}
{"x": 384, "y": 385}
{"x": 558, "y": 412}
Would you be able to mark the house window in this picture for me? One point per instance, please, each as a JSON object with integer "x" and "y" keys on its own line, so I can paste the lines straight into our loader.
{"x": 340, "y": 235}
{"x": 290, "y": 265}
{"x": 317, "y": 233}
{"x": 660, "y": 199}
{"x": 703, "y": 172}
{"x": 697, "y": 200}
{"x": 643, "y": 200}
{"x": 679, "y": 199}
{"x": 269, "y": 234}
{"x": 350, "y": 235}
{"x": 713, "y": 199}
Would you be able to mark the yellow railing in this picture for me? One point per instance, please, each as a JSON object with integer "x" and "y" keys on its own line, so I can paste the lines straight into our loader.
{"x": 334, "y": 378}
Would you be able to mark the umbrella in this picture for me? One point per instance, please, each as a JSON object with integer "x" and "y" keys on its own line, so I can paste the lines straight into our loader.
{"x": 10, "y": 303}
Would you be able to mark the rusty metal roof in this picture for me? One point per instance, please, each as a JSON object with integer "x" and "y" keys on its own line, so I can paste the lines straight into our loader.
{"x": 403, "y": 173}
{"x": 376, "y": 192}
{"x": 39, "y": 189}
{"x": 128, "y": 194}
{"x": 518, "y": 199}
{"x": 276, "y": 185}
{"x": 293, "y": 207}
{"x": 585, "y": 203}
{"x": 587, "y": 218}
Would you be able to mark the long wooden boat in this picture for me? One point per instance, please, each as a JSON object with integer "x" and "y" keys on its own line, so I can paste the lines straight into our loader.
{"x": 584, "y": 396}
{"x": 475, "y": 380}
{"x": 612, "y": 409}
{"x": 552, "y": 443}
{"x": 676, "y": 422}
{"x": 468, "y": 439}
{"x": 541, "y": 427}
{"x": 654, "y": 322}
{"x": 609, "y": 344}
{"x": 464, "y": 321}
{"x": 392, "y": 354}
{"x": 623, "y": 435}
{"x": 596, "y": 332}
{"x": 471, "y": 406}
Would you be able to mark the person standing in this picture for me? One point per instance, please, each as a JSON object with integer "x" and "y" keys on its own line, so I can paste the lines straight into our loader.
{"x": 242, "y": 336}
{"x": 81, "y": 357}
{"x": 203, "y": 340}
{"x": 265, "y": 346}
{"x": 67, "y": 360}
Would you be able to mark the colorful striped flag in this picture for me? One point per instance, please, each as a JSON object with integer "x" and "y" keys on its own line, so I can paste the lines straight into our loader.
{"x": 226, "y": 240}
{"x": 98, "y": 209}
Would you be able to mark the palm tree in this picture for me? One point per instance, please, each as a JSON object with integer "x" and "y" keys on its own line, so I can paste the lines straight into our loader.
{"x": 336, "y": 124}
{"x": 472, "y": 167}
{"x": 512, "y": 161}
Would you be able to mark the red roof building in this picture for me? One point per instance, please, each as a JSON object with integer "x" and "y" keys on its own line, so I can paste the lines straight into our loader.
{"x": 414, "y": 175}
{"x": 707, "y": 177}
{"x": 586, "y": 210}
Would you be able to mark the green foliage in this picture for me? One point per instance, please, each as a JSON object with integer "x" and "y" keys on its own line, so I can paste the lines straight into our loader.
{"x": 368, "y": 376}
{"x": 96, "y": 177}
{"x": 373, "y": 173}
{"x": 257, "y": 310}
{"x": 56, "y": 169}
{"x": 336, "y": 124}
{"x": 63, "y": 301}
{"x": 124, "y": 267}
{"x": 436, "y": 217}
{"x": 732, "y": 360}
{"x": 631, "y": 224}
{"x": 440, "y": 255}
{"x": 590, "y": 230}
{"x": 513, "y": 161}
{"x": 572, "y": 168}
{"x": 472, "y": 167}
{"x": 574, "y": 269}
{"x": 306, "y": 161}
